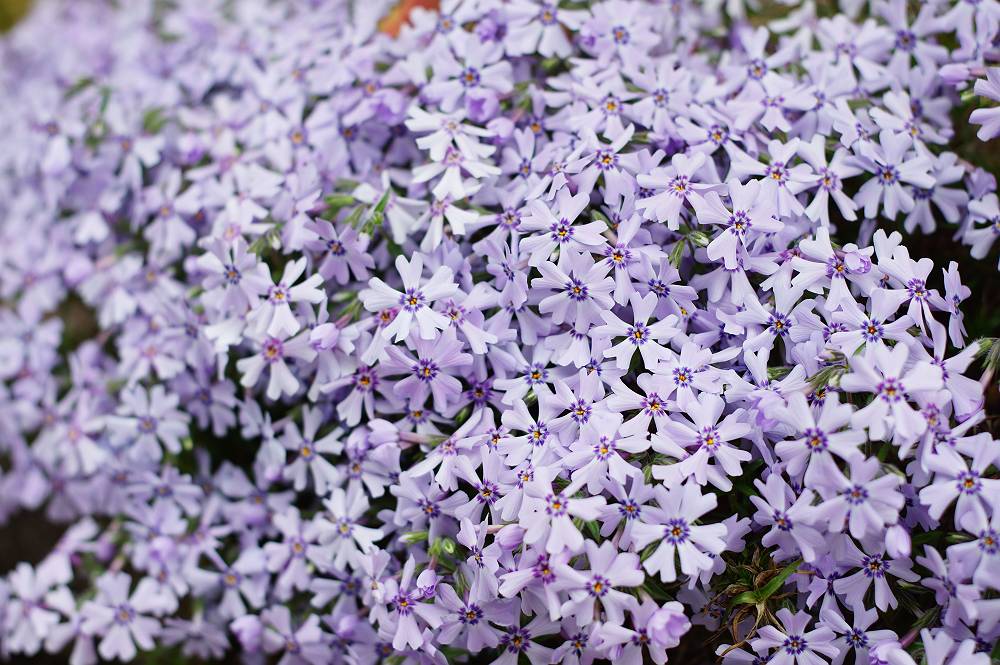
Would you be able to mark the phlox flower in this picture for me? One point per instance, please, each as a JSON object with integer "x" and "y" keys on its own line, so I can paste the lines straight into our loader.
{"x": 273, "y": 355}
{"x": 671, "y": 524}
{"x": 751, "y": 215}
{"x": 609, "y": 571}
{"x": 122, "y": 619}
{"x": 793, "y": 643}
{"x": 872, "y": 569}
{"x": 547, "y": 516}
{"x": 792, "y": 518}
{"x": 882, "y": 373}
{"x": 414, "y": 301}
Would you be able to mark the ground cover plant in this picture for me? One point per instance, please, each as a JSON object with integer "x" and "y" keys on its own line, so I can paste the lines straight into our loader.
{"x": 500, "y": 332}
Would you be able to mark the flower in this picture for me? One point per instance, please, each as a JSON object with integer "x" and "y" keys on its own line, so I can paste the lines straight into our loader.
{"x": 547, "y": 517}
{"x": 989, "y": 118}
{"x": 414, "y": 301}
{"x": 882, "y": 374}
{"x": 672, "y": 524}
{"x": 750, "y": 216}
{"x": 668, "y": 625}
{"x": 793, "y": 643}
{"x": 121, "y": 619}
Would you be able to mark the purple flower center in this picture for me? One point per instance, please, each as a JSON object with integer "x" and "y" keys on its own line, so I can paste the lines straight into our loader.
{"x": 429, "y": 508}
{"x": 794, "y": 645}
{"x": 412, "y": 300}
{"x": 989, "y": 541}
{"x": 576, "y": 290}
{"x": 872, "y": 330}
{"x": 968, "y": 483}
{"x": 905, "y": 40}
{"x": 535, "y": 374}
{"x": 856, "y": 495}
{"x": 777, "y": 172}
{"x": 335, "y": 247}
{"x": 756, "y": 69}
{"x": 618, "y": 256}
{"x": 124, "y": 614}
{"x": 598, "y": 586}
{"x": 561, "y": 231}
{"x": 232, "y": 275}
{"x": 887, "y": 174}
{"x": 739, "y": 223}
{"x": 856, "y": 638}
{"x": 676, "y": 531}
{"x": 488, "y": 493}
{"x": 547, "y": 14}
{"x": 718, "y": 134}
{"x": 659, "y": 287}
{"x": 708, "y": 438}
{"x": 516, "y": 640}
{"x": 829, "y": 180}
{"x": 890, "y": 390}
{"x": 538, "y": 434}
{"x": 278, "y": 294}
{"x": 611, "y": 105}
{"x": 815, "y": 440}
{"x": 556, "y": 504}
{"x": 231, "y": 579}
{"x": 779, "y": 324}
{"x": 782, "y": 521}
{"x": 147, "y": 425}
{"x": 469, "y": 77}
{"x": 638, "y": 334}
{"x": 426, "y": 370}
{"x": 606, "y": 159}
{"x": 273, "y": 350}
{"x": 874, "y": 566}
{"x": 403, "y": 603}
{"x": 604, "y": 448}
{"x": 471, "y": 615}
{"x": 917, "y": 289}
{"x": 580, "y": 411}
{"x": 510, "y": 219}
{"x": 629, "y": 509}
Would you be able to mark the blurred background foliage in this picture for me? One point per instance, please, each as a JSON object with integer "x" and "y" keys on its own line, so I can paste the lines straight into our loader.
{"x": 11, "y": 12}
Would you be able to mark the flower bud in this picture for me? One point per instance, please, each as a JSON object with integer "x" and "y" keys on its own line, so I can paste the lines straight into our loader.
{"x": 897, "y": 541}
{"x": 889, "y": 652}
{"x": 510, "y": 537}
{"x": 955, "y": 73}
{"x": 668, "y": 624}
{"x": 427, "y": 583}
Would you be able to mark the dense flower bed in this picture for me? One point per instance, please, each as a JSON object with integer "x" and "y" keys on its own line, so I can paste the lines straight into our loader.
{"x": 558, "y": 332}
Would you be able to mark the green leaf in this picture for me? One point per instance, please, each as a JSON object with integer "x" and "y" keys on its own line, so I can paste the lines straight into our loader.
{"x": 745, "y": 598}
{"x": 378, "y": 214}
{"x": 79, "y": 87}
{"x": 339, "y": 200}
{"x": 776, "y": 583}
{"x": 414, "y": 537}
{"x": 677, "y": 253}
{"x": 154, "y": 120}
{"x": 335, "y": 203}
{"x": 355, "y": 217}
{"x": 760, "y": 596}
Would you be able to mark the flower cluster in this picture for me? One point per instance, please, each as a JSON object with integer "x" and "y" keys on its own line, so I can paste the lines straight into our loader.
{"x": 546, "y": 331}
